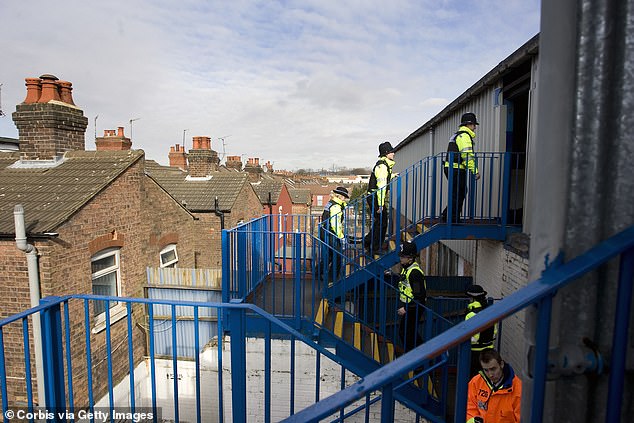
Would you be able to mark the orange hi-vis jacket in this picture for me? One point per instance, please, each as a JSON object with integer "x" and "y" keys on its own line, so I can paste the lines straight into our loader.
{"x": 495, "y": 405}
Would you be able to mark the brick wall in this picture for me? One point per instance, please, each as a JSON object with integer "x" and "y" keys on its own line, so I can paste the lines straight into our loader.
{"x": 14, "y": 292}
{"x": 168, "y": 223}
{"x": 48, "y": 130}
{"x": 502, "y": 272}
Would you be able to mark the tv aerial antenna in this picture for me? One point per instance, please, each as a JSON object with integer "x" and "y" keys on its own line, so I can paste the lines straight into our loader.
{"x": 224, "y": 153}
{"x": 1, "y": 112}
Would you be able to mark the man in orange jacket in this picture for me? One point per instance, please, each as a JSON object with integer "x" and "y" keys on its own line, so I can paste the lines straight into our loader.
{"x": 495, "y": 393}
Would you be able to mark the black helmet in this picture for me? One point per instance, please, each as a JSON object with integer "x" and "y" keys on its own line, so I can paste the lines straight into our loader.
{"x": 408, "y": 249}
{"x": 468, "y": 118}
{"x": 342, "y": 191}
{"x": 385, "y": 148}
{"x": 476, "y": 291}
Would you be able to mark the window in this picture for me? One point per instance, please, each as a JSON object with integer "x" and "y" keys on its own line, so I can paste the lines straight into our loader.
{"x": 106, "y": 279}
{"x": 169, "y": 256}
{"x": 320, "y": 200}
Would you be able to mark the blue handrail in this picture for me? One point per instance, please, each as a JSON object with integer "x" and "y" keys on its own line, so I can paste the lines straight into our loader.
{"x": 552, "y": 280}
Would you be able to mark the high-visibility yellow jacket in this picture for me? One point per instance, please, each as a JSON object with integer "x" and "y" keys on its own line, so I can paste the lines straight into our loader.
{"x": 380, "y": 178}
{"x": 412, "y": 285}
{"x": 485, "y": 339}
{"x": 332, "y": 217}
{"x": 466, "y": 160}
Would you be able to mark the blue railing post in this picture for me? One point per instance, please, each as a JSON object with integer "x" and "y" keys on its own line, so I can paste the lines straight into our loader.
{"x": 252, "y": 240}
{"x": 241, "y": 263}
{"x": 506, "y": 184}
{"x": 462, "y": 381}
{"x": 383, "y": 308}
{"x": 397, "y": 226}
{"x": 297, "y": 271}
{"x": 471, "y": 196}
{"x": 226, "y": 270}
{"x": 238, "y": 363}
{"x": 387, "y": 403}
{"x": 53, "y": 360}
{"x": 433, "y": 181}
{"x": 620, "y": 338}
{"x": 450, "y": 183}
{"x": 542, "y": 336}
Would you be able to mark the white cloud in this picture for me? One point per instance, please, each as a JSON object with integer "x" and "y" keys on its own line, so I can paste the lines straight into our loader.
{"x": 304, "y": 84}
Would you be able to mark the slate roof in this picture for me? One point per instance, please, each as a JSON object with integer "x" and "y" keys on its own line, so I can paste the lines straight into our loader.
{"x": 268, "y": 184}
{"x": 51, "y": 195}
{"x": 300, "y": 195}
{"x": 319, "y": 189}
{"x": 198, "y": 194}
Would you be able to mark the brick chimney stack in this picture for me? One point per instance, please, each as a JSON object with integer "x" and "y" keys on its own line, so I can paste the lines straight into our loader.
{"x": 48, "y": 122}
{"x": 202, "y": 159}
{"x": 253, "y": 169}
{"x": 178, "y": 157}
{"x": 234, "y": 162}
{"x": 268, "y": 166}
{"x": 111, "y": 142}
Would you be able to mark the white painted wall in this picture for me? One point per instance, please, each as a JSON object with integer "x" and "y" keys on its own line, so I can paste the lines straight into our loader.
{"x": 305, "y": 367}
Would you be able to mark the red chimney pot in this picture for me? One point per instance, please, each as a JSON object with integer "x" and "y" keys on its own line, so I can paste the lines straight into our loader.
{"x": 65, "y": 92}
{"x": 33, "y": 90}
{"x": 49, "y": 88}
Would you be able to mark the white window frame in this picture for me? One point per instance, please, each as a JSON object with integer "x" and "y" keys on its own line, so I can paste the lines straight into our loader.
{"x": 173, "y": 263}
{"x": 118, "y": 310}
{"x": 320, "y": 200}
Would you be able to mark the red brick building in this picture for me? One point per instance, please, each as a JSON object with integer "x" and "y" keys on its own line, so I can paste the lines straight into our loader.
{"x": 218, "y": 199}
{"x": 301, "y": 200}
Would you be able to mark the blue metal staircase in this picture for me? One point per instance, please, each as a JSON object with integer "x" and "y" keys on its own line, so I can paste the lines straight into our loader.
{"x": 275, "y": 269}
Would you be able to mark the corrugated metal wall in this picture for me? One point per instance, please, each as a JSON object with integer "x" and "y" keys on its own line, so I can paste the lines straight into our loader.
{"x": 490, "y": 137}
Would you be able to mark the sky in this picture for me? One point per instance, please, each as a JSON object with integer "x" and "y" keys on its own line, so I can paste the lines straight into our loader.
{"x": 313, "y": 84}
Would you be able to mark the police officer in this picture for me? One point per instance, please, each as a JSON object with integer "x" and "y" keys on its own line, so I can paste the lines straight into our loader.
{"x": 411, "y": 286}
{"x": 378, "y": 188}
{"x": 484, "y": 340}
{"x": 331, "y": 232}
{"x": 461, "y": 144}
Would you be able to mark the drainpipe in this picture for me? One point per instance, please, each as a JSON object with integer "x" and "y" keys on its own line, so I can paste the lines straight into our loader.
{"x": 270, "y": 205}
{"x": 219, "y": 214}
{"x": 34, "y": 289}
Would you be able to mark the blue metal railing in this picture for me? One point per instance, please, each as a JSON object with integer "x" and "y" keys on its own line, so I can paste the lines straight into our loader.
{"x": 294, "y": 292}
{"x": 538, "y": 293}
{"x": 300, "y": 273}
{"x": 79, "y": 377}
{"x": 418, "y": 195}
